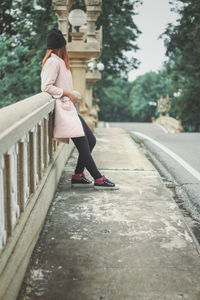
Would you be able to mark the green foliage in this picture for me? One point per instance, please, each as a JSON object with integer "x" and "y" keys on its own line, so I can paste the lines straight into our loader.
{"x": 22, "y": 47}
{"x": 183, "y": 48}
{"x": 148, "y": 88}
{"x": 6, "y": 18}
{"x": 119, "y": 35}
{"x": 19, "y": 73}
{"x": 115, "y": 100}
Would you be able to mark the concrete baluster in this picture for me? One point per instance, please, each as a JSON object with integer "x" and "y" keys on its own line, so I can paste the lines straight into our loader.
{"x": 46, "y": 142}
{"x": 33, "y": 159}
{"x": 54, "y": 146}
{"x": 2, "y": 206}
{"x": 40, "y": 149}
{"x": 50, "y": 135}
{"x": 23, "y": 173}
{"x": 12, "y": 187}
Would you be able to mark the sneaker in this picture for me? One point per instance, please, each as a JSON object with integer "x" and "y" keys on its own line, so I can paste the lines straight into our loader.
{"x": 104, "y": 184}
{"x": 79, "y": 180}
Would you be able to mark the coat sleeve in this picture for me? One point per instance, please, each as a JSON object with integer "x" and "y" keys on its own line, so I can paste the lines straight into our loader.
{"x": 48, "y": 78}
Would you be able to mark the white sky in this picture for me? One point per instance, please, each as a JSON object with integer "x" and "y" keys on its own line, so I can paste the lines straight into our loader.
{"x": 152, "y": 18}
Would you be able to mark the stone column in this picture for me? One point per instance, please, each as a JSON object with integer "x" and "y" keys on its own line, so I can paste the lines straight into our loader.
{"x": 93, "y": 8}
{"x": 78, "y": 67}
{"x": 91, "y": 78}
{"x": 88, "y": 93}
{"x": 84, "y": 45}
{"x": 81, "y": 50}
{"x": 61, "y": 8}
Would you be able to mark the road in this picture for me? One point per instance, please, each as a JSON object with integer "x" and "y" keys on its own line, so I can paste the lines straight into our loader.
{"x": 178, "y": 153}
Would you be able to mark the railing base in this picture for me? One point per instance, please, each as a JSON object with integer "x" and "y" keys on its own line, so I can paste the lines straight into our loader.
{"x": 171, "y": 124}
{"x": 13, "y": 265}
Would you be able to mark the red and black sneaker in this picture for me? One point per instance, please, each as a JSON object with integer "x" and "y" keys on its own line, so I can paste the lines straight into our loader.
{"x": 79, "y": 180}
{"x": 104, "y": 184}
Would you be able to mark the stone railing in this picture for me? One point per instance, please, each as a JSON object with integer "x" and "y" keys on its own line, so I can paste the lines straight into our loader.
{"x": 30, "y": 167}
{"x": 171, "y": 124}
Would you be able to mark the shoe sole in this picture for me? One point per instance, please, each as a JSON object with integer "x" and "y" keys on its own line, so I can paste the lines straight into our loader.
{"x": 106, "y": 188}
{"x": 81, "y": 185}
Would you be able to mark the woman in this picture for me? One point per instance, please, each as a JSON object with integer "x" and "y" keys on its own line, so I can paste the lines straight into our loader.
{"x": 56, "y": 80}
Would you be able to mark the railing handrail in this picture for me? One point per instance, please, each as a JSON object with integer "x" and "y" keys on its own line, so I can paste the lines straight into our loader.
{"x": 15, "y": 121}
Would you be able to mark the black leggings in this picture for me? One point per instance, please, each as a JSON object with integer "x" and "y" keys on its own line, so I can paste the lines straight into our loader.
{"x": 84, "y": 145}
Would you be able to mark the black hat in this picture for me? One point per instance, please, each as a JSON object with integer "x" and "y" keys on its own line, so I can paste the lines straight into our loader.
{"x": 55, "y": 39}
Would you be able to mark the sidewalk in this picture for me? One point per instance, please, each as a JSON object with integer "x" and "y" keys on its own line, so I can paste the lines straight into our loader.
{"x": 130, "y": 244}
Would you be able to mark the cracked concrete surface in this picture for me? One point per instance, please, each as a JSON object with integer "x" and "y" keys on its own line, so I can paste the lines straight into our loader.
{"x": 130, "y": 244}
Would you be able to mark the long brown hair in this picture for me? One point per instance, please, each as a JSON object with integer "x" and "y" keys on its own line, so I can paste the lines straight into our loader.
{"x": 60, "y": 52}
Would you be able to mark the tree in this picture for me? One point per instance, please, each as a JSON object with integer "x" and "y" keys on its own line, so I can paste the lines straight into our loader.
{"x": 6, "y": 17}
{"x": 115, "y": 104}
{"x": 119, "y": 36}
{"x": 147, "y": 88}
{"x": 183, "y": 49}
{"x": 22, "y": 47}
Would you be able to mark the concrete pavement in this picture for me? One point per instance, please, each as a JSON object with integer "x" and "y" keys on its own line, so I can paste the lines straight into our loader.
{"x": 179, "y": 161}
{"x": 130, "y": 244}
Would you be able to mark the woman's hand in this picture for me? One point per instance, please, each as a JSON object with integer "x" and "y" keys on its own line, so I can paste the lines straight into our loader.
{"x": 71, "y": 96}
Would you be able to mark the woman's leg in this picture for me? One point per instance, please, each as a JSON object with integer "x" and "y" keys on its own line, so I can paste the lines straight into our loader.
{"x": 84, "y": 145}
{"x": 91, "y": 141}
{"x": 90, "y": 136}
{"x": 85, "y": 157}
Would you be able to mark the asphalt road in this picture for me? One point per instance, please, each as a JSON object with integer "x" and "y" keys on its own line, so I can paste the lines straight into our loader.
{"x": 179, "y": 155}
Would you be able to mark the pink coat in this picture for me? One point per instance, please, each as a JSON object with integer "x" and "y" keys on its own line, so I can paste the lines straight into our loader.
{"x": 54, "y": 79}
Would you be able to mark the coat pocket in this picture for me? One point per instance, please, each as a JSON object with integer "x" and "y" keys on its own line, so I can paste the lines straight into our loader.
{"x": 66, "y": 103}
